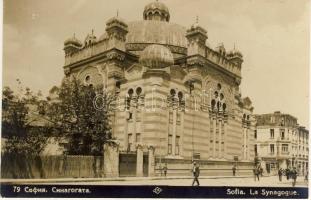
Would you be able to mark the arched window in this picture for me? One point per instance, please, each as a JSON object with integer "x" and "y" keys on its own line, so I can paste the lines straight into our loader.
{"x": 218, "y": 105}
{"x": 138, "y": 91}
{"x": 213, "y": 102}
{"x": 87, "y": 79}
{"x": 172, "y": 92}
{"x": 224, "y": 106}
{"x": 191, "y": 87}
{"x": 180, "y": 97}
{"x": 221, "y": 96}
{"x": 118, "y": 85}
{"x": 129, "y": 98}
{"x": 219, "y": 86}
{"x": 215, "y": 94}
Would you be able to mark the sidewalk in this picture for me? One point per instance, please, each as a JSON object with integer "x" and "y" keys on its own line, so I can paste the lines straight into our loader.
{"x": 64, "y": 180}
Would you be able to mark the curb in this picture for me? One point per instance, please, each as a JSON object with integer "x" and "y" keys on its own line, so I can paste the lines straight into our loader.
{"x": 25, "y": 181}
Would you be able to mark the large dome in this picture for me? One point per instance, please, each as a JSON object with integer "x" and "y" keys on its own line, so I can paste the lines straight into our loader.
{"x": 156, "y": 56}
{"x": 149, "y": 31}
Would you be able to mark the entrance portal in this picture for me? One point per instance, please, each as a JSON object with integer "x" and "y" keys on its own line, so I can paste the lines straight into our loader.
{"x": 127, "y": 165}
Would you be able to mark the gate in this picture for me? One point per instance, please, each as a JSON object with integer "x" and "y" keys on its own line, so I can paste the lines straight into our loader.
{"x": 127, "y": 164}
{"x": 145, "y": 165}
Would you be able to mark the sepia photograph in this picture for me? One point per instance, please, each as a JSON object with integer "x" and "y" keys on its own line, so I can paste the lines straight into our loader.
{"x": 155, "y": 99}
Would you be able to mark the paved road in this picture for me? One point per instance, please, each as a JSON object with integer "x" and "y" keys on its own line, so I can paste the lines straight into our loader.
{"x": 271, "y": 181}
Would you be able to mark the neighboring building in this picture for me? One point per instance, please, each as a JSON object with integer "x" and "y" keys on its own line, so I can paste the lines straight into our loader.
{"x": 303, "y": 150}
{"x": 280, "y": 142}
{"x": 157, "y": 68}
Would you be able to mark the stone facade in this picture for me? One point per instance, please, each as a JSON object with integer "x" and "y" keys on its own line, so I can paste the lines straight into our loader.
{"x": 281, "y": 143}
{"x": 176, "y": 96}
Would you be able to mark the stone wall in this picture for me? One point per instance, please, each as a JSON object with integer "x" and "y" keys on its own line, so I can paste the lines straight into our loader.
{"x": 60, "y": 166}
{"x": 183, "y": 167}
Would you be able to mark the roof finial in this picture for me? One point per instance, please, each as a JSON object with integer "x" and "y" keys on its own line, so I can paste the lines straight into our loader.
{"x": 233, "y": 46}
{"x": 92, "y": 31}
{"x": 117, "y": 12}
{"x": 74, "y": 35}
{"x": 197, "y": 19}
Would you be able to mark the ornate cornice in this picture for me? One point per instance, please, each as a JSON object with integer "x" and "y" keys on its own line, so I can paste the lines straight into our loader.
{"x": 110, "y": 55}
{"x": 113, "y": 55}
{"x": 196, "y": 60}
{"x": 142, "y": 46}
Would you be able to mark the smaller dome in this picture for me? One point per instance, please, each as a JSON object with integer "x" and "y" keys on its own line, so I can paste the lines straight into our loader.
{"x": 73, "y": 41}
{"x": 235, "y": 53}
{"x": 156, "y": 56}
{"x": 154, "y": 9}
{"x": 116, "y": 20}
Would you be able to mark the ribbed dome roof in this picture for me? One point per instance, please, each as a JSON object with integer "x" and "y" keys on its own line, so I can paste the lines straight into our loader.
{"x": 73, "y": 41}
{"x": 156, "y": 5}
{"x": 156, "y": 56}
{"x": 116, "y": 20}
{"x": 159, "y": 7}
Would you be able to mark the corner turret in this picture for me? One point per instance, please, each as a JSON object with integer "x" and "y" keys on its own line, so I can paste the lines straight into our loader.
{"x": 72, "y": 45}
{"x": 197, "y": 37}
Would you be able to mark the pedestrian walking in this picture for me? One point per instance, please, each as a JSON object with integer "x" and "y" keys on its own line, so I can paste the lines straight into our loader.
{"x": 280, "y": 173}
{"x": 196, "y": 173}
{"x": 233, "y": 170}
{"x": 165, "y": 169}
{"x": 306, "y": 177}
{"x": 294, "y": 176}
{"x": 256, "y": 171}
{"x": 287, "y": 173}
{"x": 161, "y": 169}
{"x": 261, "y": 171}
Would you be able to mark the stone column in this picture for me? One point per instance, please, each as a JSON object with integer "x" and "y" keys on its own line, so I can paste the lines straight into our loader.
{"x": 174, "y": 131}
{"x": 139, "y": 160}
{"x": 219, "y": 138}
{"x": 225, "y": 140}
{"x": 244, "y": 141}
{"x": 214, "y": 136}
{"x": 151, "y": 161}
{"x": 111, "y": 159}
{"x": 247, "y": 143}
{"x": 134, "y": 115}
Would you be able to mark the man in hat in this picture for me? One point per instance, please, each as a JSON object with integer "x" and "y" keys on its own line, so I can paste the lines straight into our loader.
{"x": 294, "y": 176}
{"x": 233, "y": 170}
{"x": 196, "y": 173}
{"x": 280, "y": 173}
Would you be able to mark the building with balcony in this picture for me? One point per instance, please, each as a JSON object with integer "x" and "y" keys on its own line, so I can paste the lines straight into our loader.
{"x": 280, "y": 142}
{"x": 178, "y": 98}
{"x": 303, "y": 150}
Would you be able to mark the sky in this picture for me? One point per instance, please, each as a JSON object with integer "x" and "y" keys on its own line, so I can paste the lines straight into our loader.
{"x": 273, "y": 36}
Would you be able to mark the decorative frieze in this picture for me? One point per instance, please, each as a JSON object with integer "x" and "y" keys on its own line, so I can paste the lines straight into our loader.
{"x": 142, "y": 46}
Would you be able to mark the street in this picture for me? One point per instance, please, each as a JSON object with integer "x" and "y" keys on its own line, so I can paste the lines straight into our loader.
{"x": 271, "y": 181}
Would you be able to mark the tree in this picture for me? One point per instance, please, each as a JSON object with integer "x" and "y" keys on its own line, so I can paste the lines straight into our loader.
{"x": 23, "y": 137}
{"x": 85, "y": 127}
